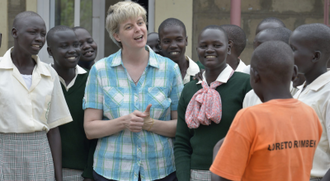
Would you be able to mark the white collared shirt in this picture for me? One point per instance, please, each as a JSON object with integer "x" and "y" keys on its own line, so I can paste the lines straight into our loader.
{"x": 242, "y": 67}
{"x": 317, "y": 95}
{"x": 38, "y": 108}
{"x": 78, "y": 70}
{"x": 222, "y": 77}
{"x": 192, "y": 70}
{"x": 252, "y": 99}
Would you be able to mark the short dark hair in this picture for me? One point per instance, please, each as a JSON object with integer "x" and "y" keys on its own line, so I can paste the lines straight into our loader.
{"x": 171, "y": 22}
{"x": 274, "y": 59}
{"x": 78, "y": 27}
{"x": 278, "y": 23}
{"x": 23, "y": 15}
{"x": 216, "y": 27}
{"x": 270, "y": 20}
{"x": 237, "y": 35}
{"x": 281, "y": 34}
{"x": 317, "y": 33}
{"x": 55, "y": 29}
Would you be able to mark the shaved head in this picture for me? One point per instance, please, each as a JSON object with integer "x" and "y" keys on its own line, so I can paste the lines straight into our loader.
{"x": 171, "y": 22}
{"x": 270, "y": 22}
{"x": 317, "y": 35}
{"x": 274, "y": 61}
{"x": 272, "y": 34}
{"x": 52, "y": 32}
{"x": 23, "y": 15}
{"x": 237, "y": 35}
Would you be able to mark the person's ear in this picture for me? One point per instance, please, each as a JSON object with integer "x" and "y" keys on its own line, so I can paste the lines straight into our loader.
{"x": 49, "y": 51}
{"x": 158, "y": 45}
{"x": 295, "y": 73}
{"x": 316, "y": 56}
{"x": 256, "y": 76}
{"x": 14, "y": 32}
{"x": 230, "y": 45}
{"x": 116, "y": 36}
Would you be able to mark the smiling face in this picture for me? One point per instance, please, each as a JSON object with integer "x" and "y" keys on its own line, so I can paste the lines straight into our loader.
{"x": 87, "y": 45}
{"x": 65, "y": 49}
{"x": 132, "y": 33}
{"x": 173, "y": 42}
{"x": 213, "y": 48}
{"x": 29, "y": 34}
{"x": 302, "y": 51}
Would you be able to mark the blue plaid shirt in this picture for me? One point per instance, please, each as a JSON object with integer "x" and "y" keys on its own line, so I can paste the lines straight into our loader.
{"x": 124, "y": 155}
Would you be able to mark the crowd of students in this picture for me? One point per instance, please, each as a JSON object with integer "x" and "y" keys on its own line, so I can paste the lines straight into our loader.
{"x": 150, "y": 112}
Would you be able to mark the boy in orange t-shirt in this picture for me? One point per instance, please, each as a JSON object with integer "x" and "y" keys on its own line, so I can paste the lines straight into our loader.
{"x": 275, "y": 140}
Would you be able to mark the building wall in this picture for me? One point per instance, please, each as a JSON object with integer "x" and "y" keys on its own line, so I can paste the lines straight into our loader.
{"x": 8, "y": 10}
{"x": 180, "y": 9}
{"x": 3, "y": 27}
{"x": 293, "y": 13}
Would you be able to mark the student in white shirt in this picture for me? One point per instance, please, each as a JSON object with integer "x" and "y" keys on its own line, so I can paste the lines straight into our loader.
{"x": 310, "y": 44}
{"x": 32, "y": 106}
{"x": 237, "y": 42}
{"x": 270, "y": 34}
{"x": 173, "y": 41}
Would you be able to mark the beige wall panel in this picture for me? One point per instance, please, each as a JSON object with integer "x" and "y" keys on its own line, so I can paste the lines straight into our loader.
{"x": 31, "y": 5}
{"x": 3, "y": 27}
{"x": 180, "y": 9}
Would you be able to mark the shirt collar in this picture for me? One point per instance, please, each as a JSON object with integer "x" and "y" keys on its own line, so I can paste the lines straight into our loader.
{"x": 241, "y": 65}
{"x": 7, "y": 63}
{"x": 223, "y": 76}
{"x": 319, "y": 82}
{"x": 80, "y": 70}
{"x": 193, "y": 68}
{"x": 116, "y": 61}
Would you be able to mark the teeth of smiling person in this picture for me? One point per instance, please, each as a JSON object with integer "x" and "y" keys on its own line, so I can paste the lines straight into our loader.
{"x": 210, "y": 56}
{"x": 174, "y": 53}
{"x": 37, "y": 46}
{"x": 138, "y": 37}
{"x": 71, "y": 58}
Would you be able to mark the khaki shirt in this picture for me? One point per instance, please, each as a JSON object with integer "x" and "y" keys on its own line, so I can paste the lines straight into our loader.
{"x": 38, "y": 108}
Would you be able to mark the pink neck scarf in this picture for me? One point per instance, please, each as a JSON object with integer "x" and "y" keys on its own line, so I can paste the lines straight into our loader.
{"x": 205, "y": 106}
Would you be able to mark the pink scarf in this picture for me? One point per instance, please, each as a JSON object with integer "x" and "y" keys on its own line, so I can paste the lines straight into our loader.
{"x": 205, "y": 106}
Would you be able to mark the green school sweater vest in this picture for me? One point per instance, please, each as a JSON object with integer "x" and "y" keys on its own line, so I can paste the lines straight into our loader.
{"x": 77, "y": 150}
{"x": 193, "y": 148}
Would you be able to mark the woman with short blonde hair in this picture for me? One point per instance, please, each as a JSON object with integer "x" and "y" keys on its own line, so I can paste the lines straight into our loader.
{"x": 130, "y": 103}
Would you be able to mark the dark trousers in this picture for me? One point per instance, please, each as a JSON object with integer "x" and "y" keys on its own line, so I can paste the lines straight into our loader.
{"x": 170, "y": 177}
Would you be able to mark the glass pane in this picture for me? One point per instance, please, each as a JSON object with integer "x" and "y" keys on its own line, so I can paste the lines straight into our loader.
{"x": 86, "y": 15}
{"x": 64, "y": 12}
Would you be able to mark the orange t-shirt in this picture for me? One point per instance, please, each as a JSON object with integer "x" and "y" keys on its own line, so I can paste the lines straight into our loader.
{"x": 271, "y": 141}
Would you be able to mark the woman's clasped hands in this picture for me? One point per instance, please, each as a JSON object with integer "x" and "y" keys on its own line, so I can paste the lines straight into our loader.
{"x": 138, "y": 121}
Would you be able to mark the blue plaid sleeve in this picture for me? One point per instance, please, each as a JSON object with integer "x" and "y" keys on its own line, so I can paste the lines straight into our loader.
{"x": 177, "y": 87}
{"x": 93, "y": 92}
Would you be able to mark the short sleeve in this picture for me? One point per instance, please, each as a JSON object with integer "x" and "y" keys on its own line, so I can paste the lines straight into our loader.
{"x": 58, "y": 112}
{"x": 93, "y": 92}
{"x": 232, "y": 158}
{"x": 177, "y": 87}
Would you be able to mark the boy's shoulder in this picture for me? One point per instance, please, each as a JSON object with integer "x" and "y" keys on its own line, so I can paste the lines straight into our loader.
{"x": 321, "y": 83}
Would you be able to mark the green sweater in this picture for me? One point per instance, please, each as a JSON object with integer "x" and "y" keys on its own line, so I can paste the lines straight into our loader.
{"x": 201, "y": 66}
{"x": 77, "y": 150}
{"x": 193, "y": 148}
